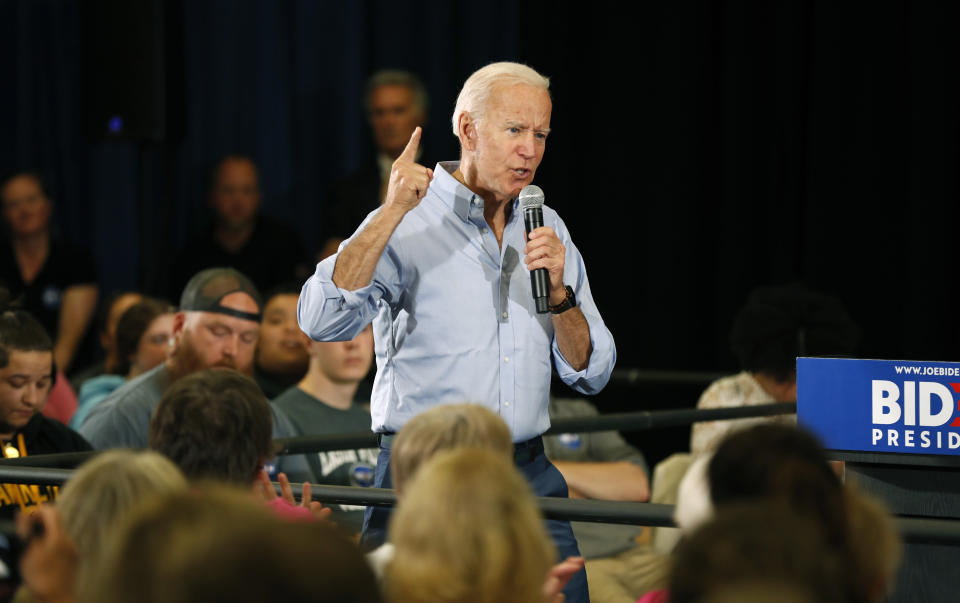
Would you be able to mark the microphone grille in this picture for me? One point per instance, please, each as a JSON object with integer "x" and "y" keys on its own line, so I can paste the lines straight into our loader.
{"x": 531, "y": 196}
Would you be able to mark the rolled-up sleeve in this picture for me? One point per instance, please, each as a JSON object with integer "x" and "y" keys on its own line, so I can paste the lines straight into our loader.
{"x": 326, "y": 312}
{"x": 603, "y": 356}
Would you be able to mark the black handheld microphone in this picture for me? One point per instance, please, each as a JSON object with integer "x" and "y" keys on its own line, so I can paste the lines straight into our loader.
{"x": 531, "y": 203}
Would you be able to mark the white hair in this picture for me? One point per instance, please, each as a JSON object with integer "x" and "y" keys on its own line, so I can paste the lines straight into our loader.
{"x": 476, "y": 90}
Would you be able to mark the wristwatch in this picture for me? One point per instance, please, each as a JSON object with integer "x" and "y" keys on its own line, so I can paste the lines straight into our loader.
{"x": 570, "y": 301}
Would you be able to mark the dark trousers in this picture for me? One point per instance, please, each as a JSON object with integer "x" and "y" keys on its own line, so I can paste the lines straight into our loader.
{"x": 545, "y": 479}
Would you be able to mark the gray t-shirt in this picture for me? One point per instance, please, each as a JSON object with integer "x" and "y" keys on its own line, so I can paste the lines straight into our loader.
{"x": 122, "y": 420}
{"x": 595, "y": 539}
{"x": 311, "y": 416}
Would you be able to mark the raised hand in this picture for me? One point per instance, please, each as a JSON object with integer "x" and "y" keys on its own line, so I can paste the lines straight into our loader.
{"x": 408, "y": 179}
{"x": 49, "y": 565}
{"x": 558, "y": 577}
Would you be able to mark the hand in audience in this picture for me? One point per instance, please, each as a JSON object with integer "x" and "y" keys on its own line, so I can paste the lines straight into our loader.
{"x": 49, "y": 565}
{"x": 265, "y": 488}
{"x": 558, "y": 577}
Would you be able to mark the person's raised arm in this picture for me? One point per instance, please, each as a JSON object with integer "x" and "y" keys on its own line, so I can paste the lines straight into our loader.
{"x": 408, "y": 184}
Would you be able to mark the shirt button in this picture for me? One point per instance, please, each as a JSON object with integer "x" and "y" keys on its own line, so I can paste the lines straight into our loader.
{"x": 506, "y": 359}
{"x": 483, "y": 230}
{"x": 506, "y": 404}
{"x": 504, "y": 314}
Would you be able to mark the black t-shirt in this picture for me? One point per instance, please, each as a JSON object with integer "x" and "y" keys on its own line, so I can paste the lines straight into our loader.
{"x": 273, "y": 255}
{"x": 66, "y": 266}
{"x": 40, "y": 436}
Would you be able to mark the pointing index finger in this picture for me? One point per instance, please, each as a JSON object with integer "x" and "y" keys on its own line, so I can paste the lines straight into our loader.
{"x": 410, "y": 151}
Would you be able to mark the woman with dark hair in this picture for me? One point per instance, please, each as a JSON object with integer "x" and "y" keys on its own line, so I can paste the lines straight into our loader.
{"x": 57, "y": 280}
{"x": 777, "y": 325}
{"x": 143, "y": 338}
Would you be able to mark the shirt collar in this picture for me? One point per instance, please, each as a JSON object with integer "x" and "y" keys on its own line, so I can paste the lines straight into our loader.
{"x": 453, "y": 192}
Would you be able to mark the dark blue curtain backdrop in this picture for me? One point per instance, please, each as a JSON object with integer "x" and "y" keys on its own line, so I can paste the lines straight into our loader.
{"x": 699, "y": 148}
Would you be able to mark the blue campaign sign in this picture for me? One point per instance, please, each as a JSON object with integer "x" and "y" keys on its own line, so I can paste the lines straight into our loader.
{"x": 881, "y": 405}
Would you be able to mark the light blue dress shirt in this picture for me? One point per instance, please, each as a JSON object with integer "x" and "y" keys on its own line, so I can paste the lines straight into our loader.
{"x": 453, "y": 315}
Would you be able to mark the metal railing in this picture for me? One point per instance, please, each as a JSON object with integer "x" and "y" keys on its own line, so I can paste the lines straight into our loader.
{"x": 626, "y": 421}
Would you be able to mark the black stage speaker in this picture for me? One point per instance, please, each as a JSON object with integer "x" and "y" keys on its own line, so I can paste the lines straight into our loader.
{"x": 133, "y": 69}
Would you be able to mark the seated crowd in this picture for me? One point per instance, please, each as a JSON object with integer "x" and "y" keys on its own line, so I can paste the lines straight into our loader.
{"x": 189, "y": 500}
{"x": 189, "y": 383}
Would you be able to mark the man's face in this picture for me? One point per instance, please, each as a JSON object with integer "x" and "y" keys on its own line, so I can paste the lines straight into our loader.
{"x": 25, "y": 208}
{"x": 236, "y": 193}
{"x": 205, "y": 340}
{"x": 281, "y": 350}
{"x": 345, "y": 362}
{"x": 511, "y": 138}
{"x": 393, "y": 117}
{"x": 24, "y": 385}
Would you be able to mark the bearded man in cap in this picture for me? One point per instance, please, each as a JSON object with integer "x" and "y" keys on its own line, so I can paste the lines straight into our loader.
{"x": 217, "y": 326}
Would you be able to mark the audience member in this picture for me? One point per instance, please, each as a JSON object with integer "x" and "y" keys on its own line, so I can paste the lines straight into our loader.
{"x": 241, "y": 237}
{"x": 777, "y": 325}
{"x": 785, "y": 466}
{"x": 26, "y": 375}
{"x": 396, "y": 103}
{"x": 447, "y": 427}
{"x": 443, "y": 428}
{"x": 26, "y": 361}
{"x": 876, "y": 549}
{"x": 58, "y": 280}
{"x": 758, "y": 547}
{"x": 217, "y": 545}
{"x": 281, "y": 358}
{"x": 455, "y": 427}
{"x": 215, "y": 425}
{"x": 217, "y": 326}
{"x": 111, "y": 309}
{"x": 322, "y": 403}
{"x": 98, "y": 495}
{"x": 142, "y": 338}
{"x": 468, "y": 530}
{"x": 602, "y": 465}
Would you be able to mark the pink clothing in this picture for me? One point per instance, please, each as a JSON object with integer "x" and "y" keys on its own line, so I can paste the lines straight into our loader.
{"x": 655, "y": 596}
{"x": 62, "y": 401}
{"x": 289, "y": 512}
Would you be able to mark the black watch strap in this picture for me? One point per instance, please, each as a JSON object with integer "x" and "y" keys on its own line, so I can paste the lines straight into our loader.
{"x": 570, "y": 301}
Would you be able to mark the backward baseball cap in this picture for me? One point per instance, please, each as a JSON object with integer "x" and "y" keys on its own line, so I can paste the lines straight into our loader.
{"x": 207, "y": 288}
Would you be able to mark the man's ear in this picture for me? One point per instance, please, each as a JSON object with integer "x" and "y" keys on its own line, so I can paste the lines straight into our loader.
{"x": 179, "y": 325}
{"x": 179, "y": 321}
{"x": 467, "y": 132}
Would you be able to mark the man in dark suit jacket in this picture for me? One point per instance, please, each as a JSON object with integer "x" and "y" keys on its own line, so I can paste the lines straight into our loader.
{"x": 396, "y": 104}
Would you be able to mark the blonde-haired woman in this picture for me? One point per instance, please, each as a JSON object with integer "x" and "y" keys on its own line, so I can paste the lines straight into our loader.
{"x": 468, "y": 530}
{"x": 102, "y": 492}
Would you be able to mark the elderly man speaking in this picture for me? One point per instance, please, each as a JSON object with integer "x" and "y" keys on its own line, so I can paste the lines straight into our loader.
{"x": 441, "y": 269}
